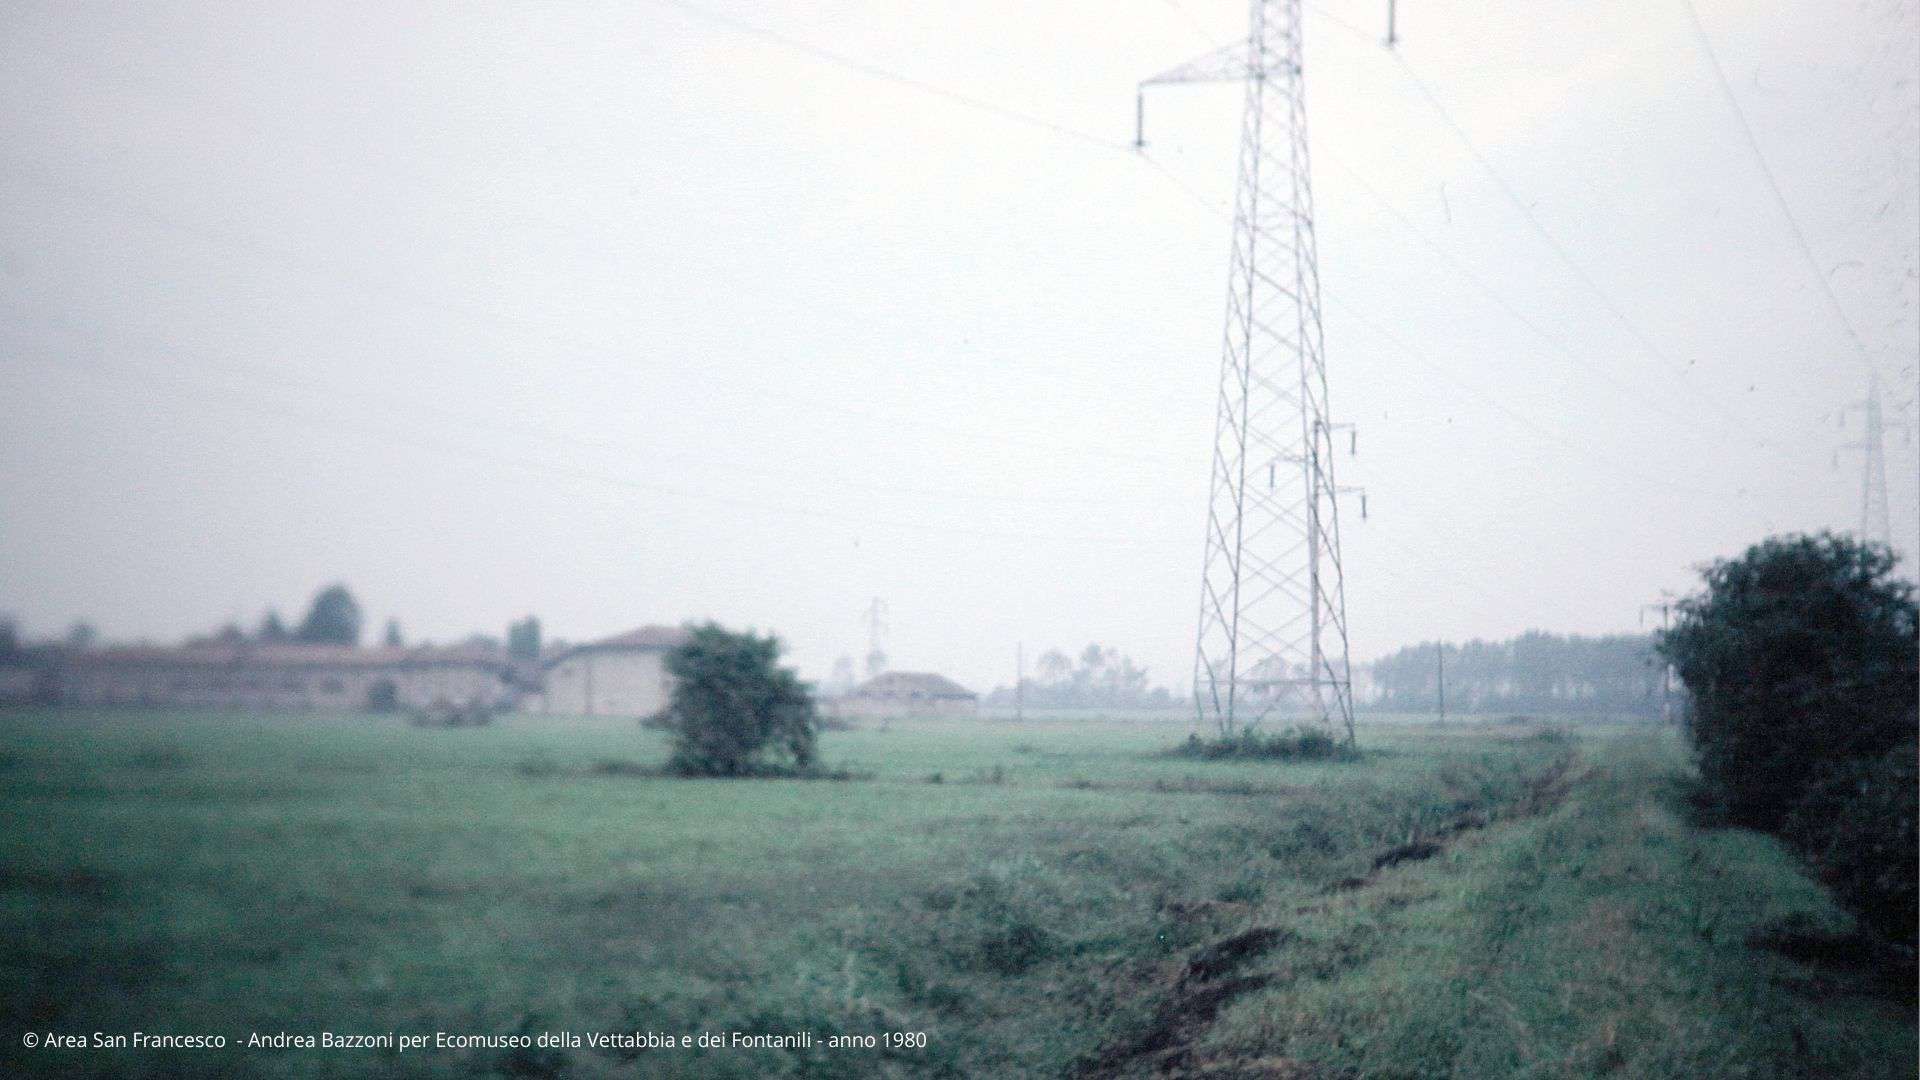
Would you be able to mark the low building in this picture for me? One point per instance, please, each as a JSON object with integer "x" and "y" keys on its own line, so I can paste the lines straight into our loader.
{"x": 27, "y": 675}
{"x": 255, "y": 676}
{"x": 905, "y": 694}
{"x": 624, "y": 676}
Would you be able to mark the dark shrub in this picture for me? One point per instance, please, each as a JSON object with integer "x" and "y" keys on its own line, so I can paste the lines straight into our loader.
{"x": 383, "y": 697}
{"x": 1857, "y": 826}
{"x": 734, "y": 708}
{"x": 1800, "y": 653}
{"x": 1296, "y": 744}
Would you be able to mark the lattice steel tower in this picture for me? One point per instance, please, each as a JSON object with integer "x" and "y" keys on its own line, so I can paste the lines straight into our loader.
{"x": 1273, "y": 620}
{"x": 1875, "y": 520}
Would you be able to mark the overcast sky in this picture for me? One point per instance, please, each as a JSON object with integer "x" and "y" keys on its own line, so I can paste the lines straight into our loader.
{"x": 623, "y": 313}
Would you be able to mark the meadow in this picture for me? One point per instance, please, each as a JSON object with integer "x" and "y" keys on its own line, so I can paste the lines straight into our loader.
{"x": 1040, "y": 899}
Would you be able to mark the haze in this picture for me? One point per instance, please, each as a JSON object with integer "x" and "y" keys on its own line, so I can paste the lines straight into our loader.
{"x": 624, "y": 313}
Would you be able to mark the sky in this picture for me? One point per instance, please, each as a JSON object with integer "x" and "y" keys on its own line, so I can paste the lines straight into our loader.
{"x": 648, "y": 311}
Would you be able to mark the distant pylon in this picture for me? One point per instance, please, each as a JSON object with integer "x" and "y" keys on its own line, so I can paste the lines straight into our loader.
{"x": 1273, "y": 619}
{"x": 1876, "y": 523}
{"x": 876, "y": 619}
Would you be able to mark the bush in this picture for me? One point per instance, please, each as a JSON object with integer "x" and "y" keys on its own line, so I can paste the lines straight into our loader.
{"x": 1294, "y": 744}
{"x": 1799, "y": 654}
{"x": 734, "y": 711}
{"x": 383, "y": 697}
{"x": 1857, "y": 826}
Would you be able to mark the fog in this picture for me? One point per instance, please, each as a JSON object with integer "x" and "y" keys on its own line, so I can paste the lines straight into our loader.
{"x": 634, "y": 313}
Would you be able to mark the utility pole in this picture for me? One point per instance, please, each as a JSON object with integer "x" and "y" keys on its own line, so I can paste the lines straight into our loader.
{"x": 1665, "y": 608}
{"x": 1440, "y": 666}
{"x": 1020, "y": 681}
{"x": 1875, "y": 520}
{"x": 1273, "y": 615}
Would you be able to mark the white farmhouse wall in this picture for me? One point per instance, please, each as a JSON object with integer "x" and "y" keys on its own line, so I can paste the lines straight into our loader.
{"x": 608, "y": 682}
{"x": 337, "y": 687}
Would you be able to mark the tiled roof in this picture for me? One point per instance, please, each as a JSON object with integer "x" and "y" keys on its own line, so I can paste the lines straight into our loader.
{"x": 227, "y": 654}
{"x": 912, "y": 684}
{"x": 645, "y": 637}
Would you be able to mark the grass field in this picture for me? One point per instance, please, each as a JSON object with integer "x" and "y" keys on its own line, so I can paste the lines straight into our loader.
{"x": 1040, "y": 900}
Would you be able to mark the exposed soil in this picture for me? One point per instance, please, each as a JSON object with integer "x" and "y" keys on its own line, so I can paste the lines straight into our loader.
{"x": 1204, "y": 984}
{"x": 1200, "y": 987}
{"x": 1542, "y": 793}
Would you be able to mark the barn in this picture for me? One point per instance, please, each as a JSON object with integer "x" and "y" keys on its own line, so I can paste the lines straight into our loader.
{"x": 272, "y": 677}
{"x": 906, "y": 693}
{"x": 624, "y": 675}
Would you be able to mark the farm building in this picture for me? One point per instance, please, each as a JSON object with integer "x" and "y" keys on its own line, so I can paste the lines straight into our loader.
{"x": 906, "y": 693}
{"x": 27, "y": 675}
{"x": 621, "y": 676}
{"x": 246, "y": 675}
{"x": 624, "y": 675}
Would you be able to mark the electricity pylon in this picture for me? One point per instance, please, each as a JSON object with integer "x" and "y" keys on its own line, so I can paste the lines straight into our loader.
{"x": 1273, "y": 619}
{"x": 1875, "y": 520}
{"x": 876, "y": 619}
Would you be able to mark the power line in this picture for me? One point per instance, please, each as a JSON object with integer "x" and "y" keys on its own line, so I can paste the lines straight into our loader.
{"x": 1473, "y": 278}
{"x": 875, "y": 71}
{"x": 1517, "y": 416}
{"x": 1553, "y": 243}
{"x": 966, "y": 100}
{"x": 334, "y": 423}
{"x": 391, "y": 290}
{"x": 1773, "y": 183}
{"x": 1202, "y": 202}
{"x": 412, "y": 408}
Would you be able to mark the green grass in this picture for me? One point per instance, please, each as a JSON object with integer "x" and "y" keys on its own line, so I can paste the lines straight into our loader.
{"x": 1607, "y": 936}
{"x": 224, "y": 873}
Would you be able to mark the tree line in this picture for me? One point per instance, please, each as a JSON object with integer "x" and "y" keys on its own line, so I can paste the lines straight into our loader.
{"x": 1100, "y": 678}
{"x": 334, "y": 617}
{"x": 1535, "y": 672}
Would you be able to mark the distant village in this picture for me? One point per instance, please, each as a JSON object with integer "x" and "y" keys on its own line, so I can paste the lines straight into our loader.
{"x": 320, "y": 666}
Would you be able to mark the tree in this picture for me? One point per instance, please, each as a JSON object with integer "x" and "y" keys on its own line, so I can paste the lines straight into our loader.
{"x": 1536, "y": 671}
{"x": 523, "y": 639}
{"x": 1054, "y": 666}
{"x": 81, "y": 636}
{"x": 1103, "y": 678}
{"x": 383, "y": 697}
{"x": 1798, "y": 655}
{"x": 272, "y": 631}
{"x": 734, "y": 711}
{"x": 334, "y": 619}
{"x": 392, "y": 639}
